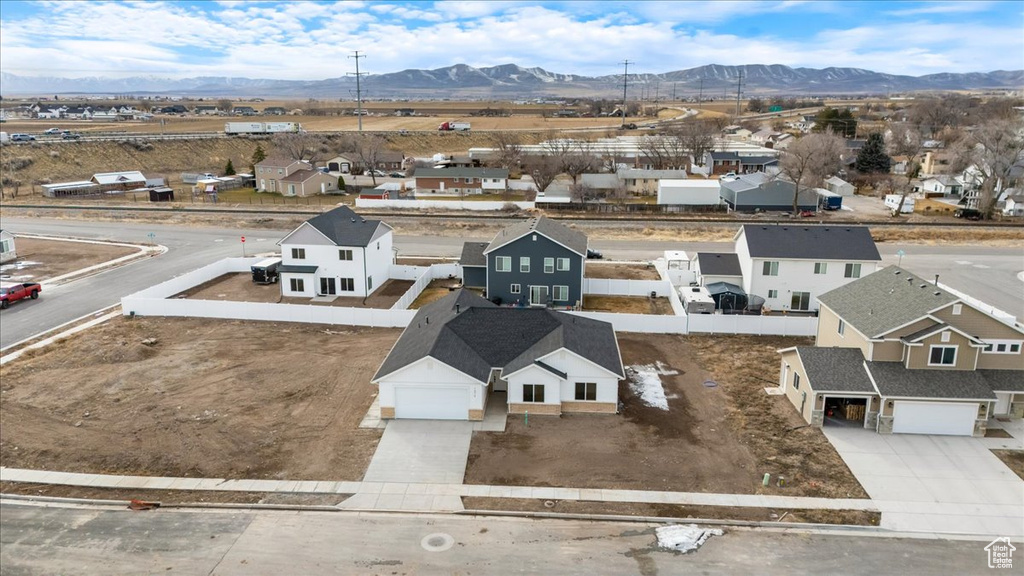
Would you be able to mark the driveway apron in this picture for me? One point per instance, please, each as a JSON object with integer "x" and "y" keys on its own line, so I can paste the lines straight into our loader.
{"x": 421, "y": 452}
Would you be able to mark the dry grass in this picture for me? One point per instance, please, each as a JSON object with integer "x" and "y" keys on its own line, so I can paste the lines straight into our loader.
{"x": 622, "y": 271}
{"x": 434, "y": 291}
{"x": 1014, "y": 460}
{"x": 627, "y": 305}
{"x": 959, "y": 235}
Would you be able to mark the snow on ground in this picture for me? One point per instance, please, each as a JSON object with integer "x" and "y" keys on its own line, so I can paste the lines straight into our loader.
{"x": 645, "y": 382}
{"x": 684, "y": 537}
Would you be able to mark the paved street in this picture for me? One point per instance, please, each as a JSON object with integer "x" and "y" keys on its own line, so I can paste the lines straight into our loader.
{"x": 83, "y": 540}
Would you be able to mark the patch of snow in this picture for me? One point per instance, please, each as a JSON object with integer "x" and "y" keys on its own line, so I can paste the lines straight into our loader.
{"x": 18, "y": 265}
{"x": 684, "y": 537}
{"x": 645, "y": 382}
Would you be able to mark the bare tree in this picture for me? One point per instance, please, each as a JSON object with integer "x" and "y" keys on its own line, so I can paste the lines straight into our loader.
{"x": 225, "y": 105}
{"x": 544, "y": 170}
{"x": 696, "y": 138}
{"x": 665, "y": 151}
{"x": 508, "y": 150}
{"x": 994, "y": 154}
{"x": 574, "y": 157}
{"x": 904, "y": 144}
{"x": 582, "y": 193}
{"x": 619, "y": 195}
{"x": 810, "y": 160}
{"x": 299, "y": 146}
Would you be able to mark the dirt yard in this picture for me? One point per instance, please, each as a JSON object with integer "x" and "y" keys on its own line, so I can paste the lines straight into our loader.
{"x": 712, "y": 439}
{"x": 239, "y": 287}
{"x": 622, "y": 271}
{"x": 1014, "y": 460}
{"x": 627, "y": 305}
{"x": 221, "y": 399}
{"x": 437, "y": 289}
{"x": 42, "y": 259}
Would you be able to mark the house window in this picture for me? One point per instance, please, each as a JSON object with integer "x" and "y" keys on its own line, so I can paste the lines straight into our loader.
{"x": 347, "y": 284}
{"x": 297, "y": 285}
{"x": 800, "y": 301}
{"x": 586, "y": 391}
{"x": 369, "y": 283}
{"x": 796, "y": 381}
{"x": 820, "y": 267}
{"x": 770, "y": 269}
{"x": 344, "y": 254}
{"x": 299, "y": 253}
{"x": 1002, "y": 347}
{"x": 957, "y": 309}
{"x": 852, "y": 271}
{"x": 533, "y": 392}
{"x": 524, "y": 264}
{"x": 942, "y": 356}
{"x": 280, "y": 171}
{"x": 549, "y": 265}
{"x": 503, "y": 264}
{"x": 516, "y": 289}
{"x": 561, "y": 293}
{"x": 773, "y": 293}
{"x": 842, "y": 327}
{"x": 563, "y": 264}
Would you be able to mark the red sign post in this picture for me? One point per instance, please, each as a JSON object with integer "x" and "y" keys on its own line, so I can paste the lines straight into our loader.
{"x": 243, "y": 246}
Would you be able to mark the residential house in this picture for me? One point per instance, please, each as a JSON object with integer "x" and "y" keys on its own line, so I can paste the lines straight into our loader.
{"x": 244, "y": 111}
{"x": 271, "y": 171}
{"x": 443, "y": 161}
{"x": 78, "y": 113}
{"x": 1014, "y": 205}
{"x": 837, "y": 185}
{"x": 942, "y": 186}
{"x": 308, "y": 182}
{"x": 274, "y": 111}
{"x": 342, "y": 163}
{"x": 337, "y": 253}
{"x": 898, "y": 354}
{"x": 690, "y": 192}
{"x": 645, "y": 182}
{"x": 460, "y": 181}
{"x": 51, "y": 112}
{"x": 389, "y": 161}
{"x": 737, "y": 133}
{"x": 791, "y": 266}
{"x": 7, "y": 249}
{"x": 119, "y": 181}
{"x": 459, "y": 351}
{"x": 174, "y": 109}
{"x": 536, "y": 262}
{"x": 758, "y": 191}
{"x": 722, "y": 163}
{"x": 712, "y": 267}
{"x": 206, "y": 111}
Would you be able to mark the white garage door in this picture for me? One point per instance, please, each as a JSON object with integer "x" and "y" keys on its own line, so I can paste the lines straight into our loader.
{"x": 432, "y": 402}
{"x": 949, "y": 418}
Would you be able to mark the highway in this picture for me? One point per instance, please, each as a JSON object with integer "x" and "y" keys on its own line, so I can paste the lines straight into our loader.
{"x": 110, "y": 541}
{"x": 991, "y": 274}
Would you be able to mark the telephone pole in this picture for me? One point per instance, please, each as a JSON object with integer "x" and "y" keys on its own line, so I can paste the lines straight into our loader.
{"x": 700, "y": 95}
{"x": 625, "y": 76}
{"x": 739, "y": 84}
{"x": 359, "y": 91}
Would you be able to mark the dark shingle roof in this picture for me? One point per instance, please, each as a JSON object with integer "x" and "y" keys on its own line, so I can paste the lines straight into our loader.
{"x": 346, "y": 228}
{"x": 724, "y": 156}
{"x": 811, "y": 242}
{"x": 296, "y": 269}
{"x": 571, "y": 239}
{"x": 893, "y": 379}
{"x": 300, "y": 175}
{"x": 472, "y": 335}
{"x": 473, "y": 254}
{"x": 758, "y": 160}
{"x": 885, "y": 300}
{"x": 1004, "y": 380}
{"x": 835, "y": 369}
{"x": 715, "y": 264}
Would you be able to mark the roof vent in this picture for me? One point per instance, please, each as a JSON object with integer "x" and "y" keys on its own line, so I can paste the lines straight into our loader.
{"x": 457, "y": 307}
{"x": 923, "y": 285}
{"x": 897, "y": 272}
{"x": 364, "y": 220}
{"x": 937, "y": 293}
{"x": 428, "y": 319}
{"x": 353, "y": 219}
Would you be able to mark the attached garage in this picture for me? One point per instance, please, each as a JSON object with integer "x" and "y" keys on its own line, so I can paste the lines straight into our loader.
{"x": 432, "y": 402}
{"x": 946, "y": 418}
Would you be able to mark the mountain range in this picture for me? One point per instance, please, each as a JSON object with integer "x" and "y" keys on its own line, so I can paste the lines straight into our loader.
{"x": 513, "y": 81}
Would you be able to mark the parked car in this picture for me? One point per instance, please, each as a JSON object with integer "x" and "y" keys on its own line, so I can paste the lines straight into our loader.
{"x": 379, "y": 174}
{"x": 11, "y": 292}
{"x": 396, "y": 175}
{"x": 22, "y": 138}
{"x": 967, "y": 213}
{"x": 594, "y": 254}
{"x": 71, "y": 136}
{"x": 52, "y": 131}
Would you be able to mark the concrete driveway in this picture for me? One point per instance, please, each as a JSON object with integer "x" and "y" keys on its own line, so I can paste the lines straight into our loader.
{"x": 421, "y": 451}
{"x": 946, "y": 484}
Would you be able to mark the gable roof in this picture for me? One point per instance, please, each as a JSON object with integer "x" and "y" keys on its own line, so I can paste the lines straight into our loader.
{"x": 560, "y": 233}
{"x": 835, "y": 369}
{"x": 118, "y": 177}
{"x": 459, "y": 330}
{"x": 346, "y": 228}
{"x": 894, "y": 379}
{"x": 885, "y": 300}
{"x": 301, "y": 175}
{"x": 758, "y": 160}
{"x": 811, "y": 242}
{"x": 279, "y": 162}
{"x": 719, "y": 264}
{"x": 473, "y": 254}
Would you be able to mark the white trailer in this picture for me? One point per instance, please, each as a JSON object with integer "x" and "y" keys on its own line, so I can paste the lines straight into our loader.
{"x": 892, "y": 202}
{"x": 233, "y": 128}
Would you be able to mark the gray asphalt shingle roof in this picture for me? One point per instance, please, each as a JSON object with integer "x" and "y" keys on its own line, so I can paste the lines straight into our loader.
{"x": 811, "y": 242}
{"x": 460, "y": 173}
{"x": 835, "y": 369}
{"x": 473, "y": 254}
{"x": 885, "y": 300}
{"x": 472, "y": 335}
{"x": 893, "y": 379}
{"x": 571, "y": 239}
{"x": 346, "y": 228}
{"x": 1004, "y": 380}
{"x": 719, "y": 264}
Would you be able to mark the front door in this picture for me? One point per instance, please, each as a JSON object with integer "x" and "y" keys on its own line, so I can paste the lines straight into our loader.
{"x": 327, "y": 286}
{"x": 538, "y": 295}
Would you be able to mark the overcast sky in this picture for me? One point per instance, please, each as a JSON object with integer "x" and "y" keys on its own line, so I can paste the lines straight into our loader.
{"x": 312, "y": 40}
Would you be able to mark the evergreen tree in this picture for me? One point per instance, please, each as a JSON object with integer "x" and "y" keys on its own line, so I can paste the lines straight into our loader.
{"x": 229, "y": 169}
{"x": 258, "y": 156}
{"x": 341, "y": 183}
{"x": 872, "y": 157}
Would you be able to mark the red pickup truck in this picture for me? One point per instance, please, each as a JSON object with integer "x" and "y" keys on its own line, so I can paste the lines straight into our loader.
{"x": 11, "y": 292}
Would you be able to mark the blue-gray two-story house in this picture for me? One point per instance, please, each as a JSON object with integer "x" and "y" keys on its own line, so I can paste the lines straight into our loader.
{"x": 538, "y": 262}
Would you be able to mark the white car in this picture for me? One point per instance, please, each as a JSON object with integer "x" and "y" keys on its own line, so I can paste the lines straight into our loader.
{"x": 52, "y": 131}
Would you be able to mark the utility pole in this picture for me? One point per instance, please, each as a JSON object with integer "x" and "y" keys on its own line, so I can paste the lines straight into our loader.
{"x": 739, "y": 85}
{"x": 359, "y": 91}
{"x": 700, "y": 95}
{"x": 625, "y": 76}
{"x": 674, "y": 85}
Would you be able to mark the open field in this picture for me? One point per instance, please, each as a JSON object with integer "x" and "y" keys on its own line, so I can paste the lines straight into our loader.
{"x": 240, "y": 288}
{"x": 204, "y": 400}
{"x": 42, "y": 259}
{"x": 712, "y": 439}
{"x": 597, "y": 269}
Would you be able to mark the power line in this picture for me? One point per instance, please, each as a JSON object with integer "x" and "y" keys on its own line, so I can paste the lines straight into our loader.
{"x": 359, "y": 91}
{"x": 625, "y": 76}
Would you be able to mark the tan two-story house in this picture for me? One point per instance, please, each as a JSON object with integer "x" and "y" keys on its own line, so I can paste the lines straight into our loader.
{"x": 898, "y": 354}
{"x": 271, "y": 172}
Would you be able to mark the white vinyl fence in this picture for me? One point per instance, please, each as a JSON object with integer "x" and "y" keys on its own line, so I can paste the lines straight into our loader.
{"x": 645, "y": 323}
{"x": 758, "y": 325}
{"x": 482, "y": 205}
{"x": 426, "y": 275}
{"x": 619, "y": 287}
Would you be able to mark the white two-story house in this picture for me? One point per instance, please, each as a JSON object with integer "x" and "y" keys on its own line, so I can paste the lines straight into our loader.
{"x": 790, "y": 266}
{"x": 337, "y": 253}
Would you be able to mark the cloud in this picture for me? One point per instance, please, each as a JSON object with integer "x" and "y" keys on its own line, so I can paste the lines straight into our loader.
{"x": 974, "y": 6}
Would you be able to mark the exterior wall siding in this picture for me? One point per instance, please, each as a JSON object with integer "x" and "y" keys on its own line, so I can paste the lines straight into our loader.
{"x": 474, "y": 276}
{"x": 499, "y": 283}
{"x": 977, "y": 323}
{"x": 799, "y": 276}
{"x": 429, "y": 372}
{"x": 829, "y": 337}
{"x": 965, "y": 353}
{"x": 802, "y": 397}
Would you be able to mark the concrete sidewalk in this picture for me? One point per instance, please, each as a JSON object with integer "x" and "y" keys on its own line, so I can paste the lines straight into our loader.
{"x": 451, "y": 491}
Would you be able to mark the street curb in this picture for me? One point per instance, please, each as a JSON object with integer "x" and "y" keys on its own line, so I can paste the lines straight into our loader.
{"x": 182, "y": 505}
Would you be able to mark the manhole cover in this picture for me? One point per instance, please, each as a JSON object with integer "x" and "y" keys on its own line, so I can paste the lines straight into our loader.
{"x": 710, "y": 383}
{"x": 438, "y": 542}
